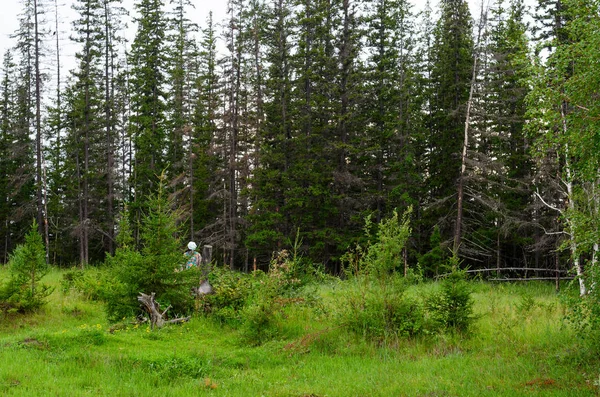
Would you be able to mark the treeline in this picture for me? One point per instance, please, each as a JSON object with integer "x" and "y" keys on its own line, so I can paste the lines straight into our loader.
{"x": 300, "y": 118}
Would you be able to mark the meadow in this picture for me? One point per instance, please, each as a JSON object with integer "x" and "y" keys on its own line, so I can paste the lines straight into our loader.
{"x": 519, "y": 345}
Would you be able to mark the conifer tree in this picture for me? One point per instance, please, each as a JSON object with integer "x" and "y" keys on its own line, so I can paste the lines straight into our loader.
{"x": 7, "y": 115}
{"x": 310, "y": 205}
{"x": 451, "y": 73}
{"x": 497, "y": 203}
{"x": 268, "y": 222}
{"x": 203, "y": 159}
{"x": 391, "y": 111}
{"x": 23, "y": 163}
{"x": 90, "y": 123}
{"x": 148, "y": 106}
{"x": 181, "y": 76}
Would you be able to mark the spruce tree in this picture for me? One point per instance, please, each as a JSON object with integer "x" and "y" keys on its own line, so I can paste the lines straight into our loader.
{"x": 268, "y": 223}
{"x": 181, "y": 77}
{"x": 203, "y": 160}
{"x": 148, "y": 106}
{"x": 7, "y": 112}
{"x": 451, "y": 73}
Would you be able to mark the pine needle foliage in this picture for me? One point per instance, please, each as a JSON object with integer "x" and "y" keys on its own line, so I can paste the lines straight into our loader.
{"x": 156, "y": 267}
{"x": 24, "y": 292}
{"x": 451, "y": 308}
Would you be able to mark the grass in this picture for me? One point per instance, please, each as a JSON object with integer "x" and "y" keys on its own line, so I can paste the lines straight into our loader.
{"x": 519, "y": 347}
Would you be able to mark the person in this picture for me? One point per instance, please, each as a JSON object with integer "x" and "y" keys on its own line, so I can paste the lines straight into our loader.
{"x": 194, "y": 259}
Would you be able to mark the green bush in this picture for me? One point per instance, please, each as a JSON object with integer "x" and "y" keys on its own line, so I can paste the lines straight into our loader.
{"x": 375, "y": 306}
{"x": 27, "y": 266}
{"x": 452, "y": 307}
{"x": 281, "y": 286}
{"x": 583, "y": 312}
{"x": 378, "y": 314}
{"x": 231, "y": 292}
{"x": 90, "y": 283}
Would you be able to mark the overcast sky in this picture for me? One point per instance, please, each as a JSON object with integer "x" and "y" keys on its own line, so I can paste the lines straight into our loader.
{"x": 10, "y": 9}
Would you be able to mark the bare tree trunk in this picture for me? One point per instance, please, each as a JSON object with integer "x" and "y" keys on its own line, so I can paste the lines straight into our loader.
{"x": 86, "y": 154}
{"x": 41, "y": 215}
{"x": 57, "y": 143}
{"x": 571, "y": 203}
{"x": 463, "y": 167}
{"x": 108, "y": 123}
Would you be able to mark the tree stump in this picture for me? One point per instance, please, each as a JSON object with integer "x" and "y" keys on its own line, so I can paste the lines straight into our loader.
{"x": 153, "y": 308}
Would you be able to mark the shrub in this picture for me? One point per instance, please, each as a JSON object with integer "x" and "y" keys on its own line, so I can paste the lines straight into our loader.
{"x": 231, "y": 292}
{"x": 24, "y": 292}
{"x": 375, "y": 305}
{"x": 378, "y": 314}
{"x": 90, "y": 283}
{"x": 281, "y": 286}
{"x": 452, "y": 307}
{"x": 583, "y": 312}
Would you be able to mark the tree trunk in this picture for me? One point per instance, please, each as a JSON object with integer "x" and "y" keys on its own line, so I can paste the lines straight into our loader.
{"x": 463, "y": 167}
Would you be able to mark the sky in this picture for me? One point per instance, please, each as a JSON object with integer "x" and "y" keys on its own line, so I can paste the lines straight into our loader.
{"x": 10, "y": 10}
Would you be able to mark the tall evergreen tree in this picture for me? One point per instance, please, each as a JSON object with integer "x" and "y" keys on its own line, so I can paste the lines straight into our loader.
{"x": 452, "y": 64}
{"x": 268, "y": 221}
{"x": 23, "y": 161}
{"x": 391, "y": 111}
{"x": 203, "y": 159}
{"x": 181, "y": 78}
{"x": 310, "y": 205}
{"x": 148, "y": 106}
{"x": 90, "y": 131}
{"x": 497, "y": 198}
{"x": 7, "y": 116}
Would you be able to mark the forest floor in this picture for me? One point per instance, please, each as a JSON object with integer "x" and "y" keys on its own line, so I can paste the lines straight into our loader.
{"x": 519, "y": 346}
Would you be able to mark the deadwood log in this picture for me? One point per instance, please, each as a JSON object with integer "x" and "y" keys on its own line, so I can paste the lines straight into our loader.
{"x": 153, "y": 308}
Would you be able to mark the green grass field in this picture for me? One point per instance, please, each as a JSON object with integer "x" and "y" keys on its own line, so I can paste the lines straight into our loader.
{"x": 520, "y": 346}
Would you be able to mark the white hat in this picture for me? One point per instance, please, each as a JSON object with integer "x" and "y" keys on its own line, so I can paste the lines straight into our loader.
{"x": 192, "y": 245}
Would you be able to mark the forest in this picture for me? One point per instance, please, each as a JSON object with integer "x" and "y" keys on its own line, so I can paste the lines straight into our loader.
{"x": 297, "y": 120}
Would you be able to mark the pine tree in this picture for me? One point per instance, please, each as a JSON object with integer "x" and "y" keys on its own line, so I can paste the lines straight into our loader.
{"x": 90, "y": 136}
{"x": 155, "y": 267}
{"x": 349, "y": 93}
{"x": 268, "y": 223}
{"x": 451, "y": 73}
{"x": 23, "y": 163}
{"x": 203, "y": 159}
{"x": 181, "y": 78}
{"x": 148, "y": 106}
{"x": 55, "y": 156}
{"x": 7, "y": 113}
{"x": 497, "y": 203}
{"x": 24, "y": 291}
{"x": 310, "y": 205}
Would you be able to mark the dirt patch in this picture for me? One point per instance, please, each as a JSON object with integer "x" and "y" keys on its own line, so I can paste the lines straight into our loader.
{"x": 541, "y": 382}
